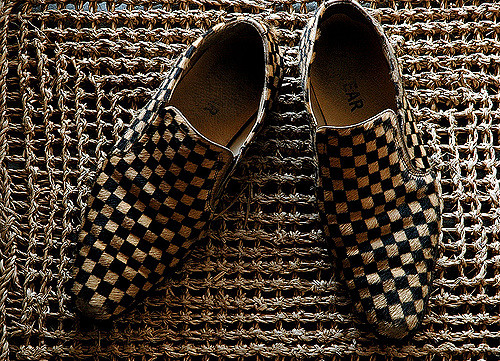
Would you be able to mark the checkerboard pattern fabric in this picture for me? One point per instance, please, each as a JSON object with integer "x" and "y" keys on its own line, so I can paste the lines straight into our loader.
{"x": 146, "y": 208}
{"x": 382, "y": 219}
{"x": 156, "y": 192}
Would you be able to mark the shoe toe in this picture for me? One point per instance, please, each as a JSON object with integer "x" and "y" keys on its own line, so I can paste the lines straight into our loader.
{"x": 393, "y": 329}
{"x": 93, "y": 311}
{"x": 394, "y": 302}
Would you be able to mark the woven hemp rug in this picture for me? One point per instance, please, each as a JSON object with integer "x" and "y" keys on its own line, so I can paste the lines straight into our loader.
{"x": 261, "y": 285}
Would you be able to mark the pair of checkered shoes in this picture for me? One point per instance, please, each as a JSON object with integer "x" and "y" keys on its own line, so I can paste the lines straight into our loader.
{"x": 379, "y": 203}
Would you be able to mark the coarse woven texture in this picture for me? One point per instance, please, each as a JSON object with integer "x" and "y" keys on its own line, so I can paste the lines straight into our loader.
{"x": 261, "y": 285}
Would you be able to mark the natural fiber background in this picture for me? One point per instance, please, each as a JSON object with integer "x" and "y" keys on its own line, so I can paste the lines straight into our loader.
{"x": 261, "y": 286}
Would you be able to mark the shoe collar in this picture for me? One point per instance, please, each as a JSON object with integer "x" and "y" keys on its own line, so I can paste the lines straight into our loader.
{"x": 272, "y": 73}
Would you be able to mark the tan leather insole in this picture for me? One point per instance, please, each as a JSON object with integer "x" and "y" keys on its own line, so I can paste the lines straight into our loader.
{"x": 350, "y": 79}
{"x": 220, "y": 94}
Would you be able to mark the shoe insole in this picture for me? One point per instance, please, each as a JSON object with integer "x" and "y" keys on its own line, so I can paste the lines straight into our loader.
{"x": 220, "y": 93}
{"x": 350, "y": 80}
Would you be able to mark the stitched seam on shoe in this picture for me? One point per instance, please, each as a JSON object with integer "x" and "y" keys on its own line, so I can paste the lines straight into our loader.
{"x": 217, "y": 171}
{"x": 403, "y": 151}
{"x": 221, "y": 185}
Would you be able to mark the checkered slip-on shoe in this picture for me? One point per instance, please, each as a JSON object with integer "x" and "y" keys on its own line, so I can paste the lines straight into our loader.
{"x": 156, "y": 192}
{"x": 379, "y": 202}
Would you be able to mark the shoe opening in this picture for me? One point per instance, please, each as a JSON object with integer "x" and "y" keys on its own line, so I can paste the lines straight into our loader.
{"x": 350, "y": 77}
{"x": 220, "y": 91}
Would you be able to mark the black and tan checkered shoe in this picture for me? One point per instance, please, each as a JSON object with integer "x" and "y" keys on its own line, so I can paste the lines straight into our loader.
{"x": 157, "y": 190}
{"x": 379, "y": 201}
